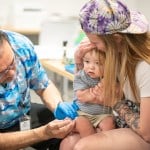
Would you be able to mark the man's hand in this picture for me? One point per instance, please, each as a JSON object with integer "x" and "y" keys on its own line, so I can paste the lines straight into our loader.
{"x": 66, "y": 109}
{"x": 55, "y": 129}
{"x": 59, "y": 128}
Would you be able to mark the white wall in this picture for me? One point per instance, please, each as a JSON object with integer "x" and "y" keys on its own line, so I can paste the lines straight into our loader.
{"x": 145, "y": 8}
{"x": 139, "y": 5}
{"x": 63, "y": 7}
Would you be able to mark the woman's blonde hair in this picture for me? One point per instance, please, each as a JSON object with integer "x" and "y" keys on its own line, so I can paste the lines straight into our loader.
{"x": 121, "y": 64}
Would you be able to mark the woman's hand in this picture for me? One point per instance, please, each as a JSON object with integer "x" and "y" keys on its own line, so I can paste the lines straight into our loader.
{"x": 83, "y": 48}
{"x": 98, "y": 91}
{"x": 59, "y": 128}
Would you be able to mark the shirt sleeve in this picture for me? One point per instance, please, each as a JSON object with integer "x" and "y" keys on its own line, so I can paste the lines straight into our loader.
{"x": 143, "y": 79}
{"x": 38, "y": 76}
{"x": 78, "y": 83}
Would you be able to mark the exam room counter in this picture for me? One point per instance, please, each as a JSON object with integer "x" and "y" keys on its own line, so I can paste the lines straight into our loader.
{"x": 57, "y": 67}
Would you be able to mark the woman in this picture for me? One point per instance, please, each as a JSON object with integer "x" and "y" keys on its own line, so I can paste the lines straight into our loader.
{"x": 123, "y": 36}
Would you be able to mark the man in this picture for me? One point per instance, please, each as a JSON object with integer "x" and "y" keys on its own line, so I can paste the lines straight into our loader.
{"x": 20, "y": 71}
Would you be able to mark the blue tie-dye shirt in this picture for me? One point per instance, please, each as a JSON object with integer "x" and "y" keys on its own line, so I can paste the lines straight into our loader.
{"x": 15, "y": 97}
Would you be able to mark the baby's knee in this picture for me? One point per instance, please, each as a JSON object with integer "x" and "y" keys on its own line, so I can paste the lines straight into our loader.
{"x": 107, "y": 123}
{"x": 81, "y": 121}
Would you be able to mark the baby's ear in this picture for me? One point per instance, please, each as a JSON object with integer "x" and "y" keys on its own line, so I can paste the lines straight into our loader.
{"x": 118, "y": 38}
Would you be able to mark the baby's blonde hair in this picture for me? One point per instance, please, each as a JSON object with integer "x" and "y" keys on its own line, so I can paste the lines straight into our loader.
{"x": 101, "y": 57}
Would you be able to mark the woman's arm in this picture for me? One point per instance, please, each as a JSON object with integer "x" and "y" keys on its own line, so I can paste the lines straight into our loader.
{"x": 145, "y": 118}
{"x": 21, "y": 139}
{"x": 138, "y": 122}
{"x": 87, "y": 95}
{"x": 92, "y": 95}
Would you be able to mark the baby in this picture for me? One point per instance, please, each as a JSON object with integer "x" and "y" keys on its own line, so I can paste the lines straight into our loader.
{"x": 93, "y": 116}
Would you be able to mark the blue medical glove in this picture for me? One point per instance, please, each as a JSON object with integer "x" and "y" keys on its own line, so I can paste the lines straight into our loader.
{"x": 66, "y": 109}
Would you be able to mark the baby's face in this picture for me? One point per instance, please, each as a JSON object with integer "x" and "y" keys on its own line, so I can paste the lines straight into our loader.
{"x": 92, "y": 64}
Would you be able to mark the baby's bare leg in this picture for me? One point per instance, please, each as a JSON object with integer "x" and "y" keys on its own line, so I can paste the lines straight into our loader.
{"x": 107, "y": 124}
{"x": 84, "y": 126}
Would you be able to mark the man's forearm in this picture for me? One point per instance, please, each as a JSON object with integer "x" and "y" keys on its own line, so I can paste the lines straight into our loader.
{"x": 21, "y": 139}
{"x": 50, "y": 96}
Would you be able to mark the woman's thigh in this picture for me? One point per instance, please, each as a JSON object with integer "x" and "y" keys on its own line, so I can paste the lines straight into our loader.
{"x": 69, "y": 142}
{"x": 117, "y": 139}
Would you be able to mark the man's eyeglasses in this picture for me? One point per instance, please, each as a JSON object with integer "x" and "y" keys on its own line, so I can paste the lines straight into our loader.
{"x": 10, "y": 67}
